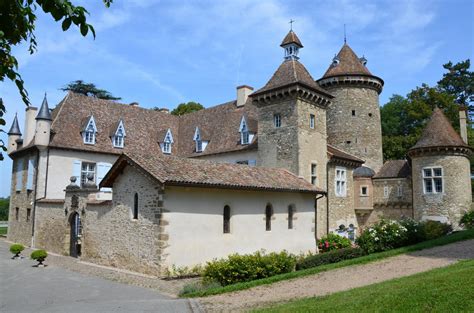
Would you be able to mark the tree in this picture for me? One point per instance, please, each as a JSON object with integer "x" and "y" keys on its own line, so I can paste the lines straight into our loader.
{"x": 184, "y": 108}
{"x": 17, "y": 25}
{"x": 4, "y": 205}
{"x": 89, "y": 90}
{"x": 459, "y": 82}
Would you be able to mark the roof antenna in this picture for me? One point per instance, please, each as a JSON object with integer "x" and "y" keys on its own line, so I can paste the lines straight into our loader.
{"x": 291, "y": 24}
{"x": 345, "y": 38}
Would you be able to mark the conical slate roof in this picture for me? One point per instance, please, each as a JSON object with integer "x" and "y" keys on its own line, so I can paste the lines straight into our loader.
{"x": 291, "y": 38}
{"x": 44, "y": 113}
{"x": 288, "y": 73}
{"x": 15, "y": 129}
{"x": 349, "y": 64}
{"x": 439, "y": 133}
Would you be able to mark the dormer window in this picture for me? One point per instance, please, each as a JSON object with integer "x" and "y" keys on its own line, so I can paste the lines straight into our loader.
{"x": 89, "y": 132}
{"x": 244, "y": 132}
{"x": 335, "y": 60}
{"x": 198, "y": 140}
{"x": 167, "y": 142}
{"x": 118, "y": 138}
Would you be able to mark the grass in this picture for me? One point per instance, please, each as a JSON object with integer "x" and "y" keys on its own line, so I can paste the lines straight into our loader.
{"x": 3, "y": 230}
{"x": 458, "y": 236}
{"x": 448, "y": 289}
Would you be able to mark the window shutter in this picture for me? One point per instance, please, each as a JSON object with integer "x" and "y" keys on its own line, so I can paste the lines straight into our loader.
{"x": 19, "y": 174}
{"x": 31, "y": 174}
{"x": 102, "y": 169}
{"x": 76, "y": 171}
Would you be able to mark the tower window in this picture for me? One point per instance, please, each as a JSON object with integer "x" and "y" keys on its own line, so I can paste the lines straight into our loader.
{"x": 311, "y": 121}
{"x": 341, "y": 182}
{"x": 370, "y": 114}
{"x": 364, "y": 192}
{"x": 135, "y": 207}
{"x": 348, "y": 142}
{"x": 28, "y": 214}
{"x": 277, "y": 120}
{"x": 268, "y": 217}
{"x": 432, "y": 180}
{"x": 314, "y": 175}
{"x": 17, "y": 213}
{"x": 353, "y": 112}
{"x": 226, "y": 219}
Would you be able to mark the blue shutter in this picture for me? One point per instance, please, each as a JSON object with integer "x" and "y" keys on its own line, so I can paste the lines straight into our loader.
{"x": 31, "y": 174}
{"x": 102, "y": 169}
{"x": 76, "y": 171}
{"x": 19, "y": 174}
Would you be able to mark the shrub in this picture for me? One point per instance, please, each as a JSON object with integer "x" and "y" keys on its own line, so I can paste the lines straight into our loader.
{"x": 39, "y": 255}
{"x": 183, "y": 271}
{"x": 329, "y": 257}
{"x": 16, "y": 249}
{"x": 414, "y": 233}
{"x": 384, "y": 235}
{"x": 468, "y": 220}
{"x": 333, "y": 242}
{"x": 240, "y": 268}
{"x": 435, "y": 229}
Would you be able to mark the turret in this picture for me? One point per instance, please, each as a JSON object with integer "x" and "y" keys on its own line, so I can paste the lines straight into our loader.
{"x": 43, "y": 124}
{"x": 354, "y": 114}
{"x": 14, "y": 136}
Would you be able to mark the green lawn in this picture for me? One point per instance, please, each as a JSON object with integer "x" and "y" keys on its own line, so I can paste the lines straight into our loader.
{"x": 449, "y": 289}
{"x": 462, "y": 235}
{"x": 3, "y": 230}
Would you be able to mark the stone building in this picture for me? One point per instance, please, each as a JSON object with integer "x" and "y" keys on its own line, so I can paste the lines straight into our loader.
{"x": 274, "y": 169}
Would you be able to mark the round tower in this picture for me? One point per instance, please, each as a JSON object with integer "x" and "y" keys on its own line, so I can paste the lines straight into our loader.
{"x": 43, "y": 124}
{"x": 14, "y": 134}
{"x": 353, "y": 117}
{"x": 441, "y": 173}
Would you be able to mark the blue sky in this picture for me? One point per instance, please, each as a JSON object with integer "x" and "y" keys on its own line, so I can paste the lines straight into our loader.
{"x": 162, "y": 53}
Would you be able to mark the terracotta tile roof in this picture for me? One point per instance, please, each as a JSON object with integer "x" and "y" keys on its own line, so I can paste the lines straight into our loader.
{"x": 288, "y": 73}
{"x": 349, "y": 64}
{"x": 439, "y": 133}
{"x": 140, "y": 125}
{"x": 171, "y": 170}
{"x": 394, "y": 169}
{"x": 340, "y": 154}
{"x": 291, "y": 38}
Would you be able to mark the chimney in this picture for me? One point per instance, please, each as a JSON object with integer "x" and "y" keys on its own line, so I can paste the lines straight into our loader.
{"x": 30, "y": 124}
{"x": 134, "y": 104}
{"x": 243, "y": 93}
{"x": 164, "y": 110}
{"x": 463, "y": 123}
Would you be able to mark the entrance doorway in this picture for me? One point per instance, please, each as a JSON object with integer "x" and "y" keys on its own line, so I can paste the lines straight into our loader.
{"x": 76, "y": 229}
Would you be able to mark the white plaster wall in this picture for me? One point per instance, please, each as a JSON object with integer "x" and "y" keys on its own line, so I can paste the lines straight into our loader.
{"x": 195, "y": 226}
{"x": 231, "y": 157}
{"x": 60, "y": 170}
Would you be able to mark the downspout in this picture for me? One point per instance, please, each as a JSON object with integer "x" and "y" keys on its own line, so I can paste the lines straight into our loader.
{"x": 327, "y": 198}
{"x": 316, "y": 217}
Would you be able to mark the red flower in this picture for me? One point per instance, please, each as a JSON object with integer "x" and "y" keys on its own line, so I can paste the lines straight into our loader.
{"x": 326, "y": 244}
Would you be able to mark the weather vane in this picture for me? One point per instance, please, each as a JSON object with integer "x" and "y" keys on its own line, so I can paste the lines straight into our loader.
{"x": 291, "y": 24}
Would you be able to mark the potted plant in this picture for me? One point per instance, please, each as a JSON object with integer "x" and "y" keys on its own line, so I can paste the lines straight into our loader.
{"x": 40, "y": 256}
{"x": 16, "y": 249}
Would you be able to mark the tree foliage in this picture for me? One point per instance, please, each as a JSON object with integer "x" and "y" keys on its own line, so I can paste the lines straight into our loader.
{"x": 17, "y": 25}
{"x": 184, "y": 108}
{"x": 403, "y": 118}
{"x": 89, "y": 90}
{"x": 4, "y": 206}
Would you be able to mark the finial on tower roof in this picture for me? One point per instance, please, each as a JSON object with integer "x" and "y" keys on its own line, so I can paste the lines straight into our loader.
{"x": 345, "y": 38}
{"x": 291, "y": 24}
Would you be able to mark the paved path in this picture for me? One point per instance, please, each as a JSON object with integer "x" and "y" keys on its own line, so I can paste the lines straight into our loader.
{"x": 340, "y": 279}
{"x": 52, "y": 289}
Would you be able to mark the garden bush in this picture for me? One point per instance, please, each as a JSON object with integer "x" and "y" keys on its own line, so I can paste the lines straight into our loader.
{"x": 240, "y": 268}
{"x": 333, "y": 242}
{"x": 384, "y": 235}
{"x": 414, "y": 233}
{"x": 468, "y": 220}
{"x": 329, "y": 257}
{"x": 434, "y": 229}
{"x": 16, "y": 249}
{"x": 39, "y": 255}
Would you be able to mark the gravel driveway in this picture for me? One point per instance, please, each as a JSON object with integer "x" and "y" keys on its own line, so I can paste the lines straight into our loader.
{"x": 340, "y": 279}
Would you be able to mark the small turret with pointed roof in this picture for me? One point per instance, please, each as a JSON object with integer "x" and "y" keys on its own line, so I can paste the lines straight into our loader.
{"x": 15, "y": 129}
{"x": 44, "y": 113}
{"x": 43, "y": 124}
{"x": 14, "y": 135}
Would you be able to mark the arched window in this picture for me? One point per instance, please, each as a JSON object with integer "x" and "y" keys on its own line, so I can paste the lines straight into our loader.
{"x": 268, "y": 217}
{"x": 291, "y": 212}
{"x": 226, "y": 219}
{"x": 135, "y": 207}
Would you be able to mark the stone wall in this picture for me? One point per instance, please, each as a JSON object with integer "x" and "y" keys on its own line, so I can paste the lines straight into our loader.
{"x": 360, "y": 135}
{"x": 52, "y": 228}
{"x": 341, "y": 209}
{"x": 20, "y": 225}
{"x": 456, "y": 198}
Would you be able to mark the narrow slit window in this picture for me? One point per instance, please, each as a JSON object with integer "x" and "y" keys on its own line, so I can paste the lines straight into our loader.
{"x": 291, "y": 212}
{"x": 311, "y": 121}
{"x": 135, "y": 207}
{"x": 28, "y": 214}
{"x": 314, "y": 175}
{"x": 226, "y": 219}
{"x": 277, "y": 120}
{"x": 353, "y": 112}
{"x": 17, "y": 213}
{"x": 268, "y": 217}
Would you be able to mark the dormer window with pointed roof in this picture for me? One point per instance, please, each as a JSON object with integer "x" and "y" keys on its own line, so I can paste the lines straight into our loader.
{"x": 167, "y": 142}
{"x": 200, "y": 144}
{"x": 89, "y": 132}
{"x": 244, "y": 132}
{"x": 118, "y": 138}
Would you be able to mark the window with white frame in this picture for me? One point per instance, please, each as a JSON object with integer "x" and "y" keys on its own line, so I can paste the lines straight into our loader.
{"x": 197, "y": 140}
{"x": 277, "y": 120}
{"x": 244, "y": 132}
{"x": 432, "y": 180}
{"x": 167, "y": 142}
{"x": 364, "y": 191}
{"x": 341, "y": 182}
{"x": 86, "y": 170}
{"x": 314, "y": 174}
{"x": 118, "y": 138}
{"x": 89, "y": 132}
{"x": 399, "y": 191}
{"x": 311, "y": 121}
{"x": 386, "y": 192}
